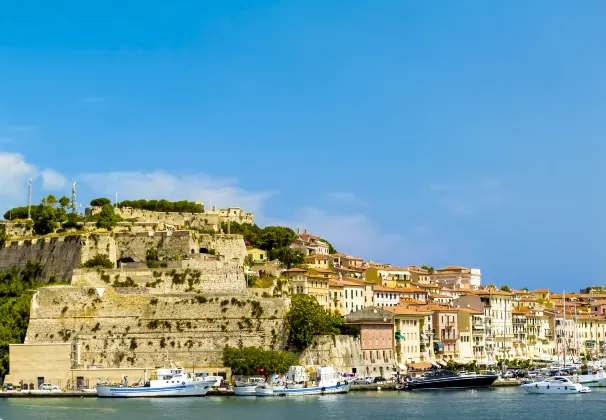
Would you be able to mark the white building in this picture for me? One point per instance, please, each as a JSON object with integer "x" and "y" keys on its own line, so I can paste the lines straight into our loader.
{"x": 455, "y": 276}
{"x": 386, "y": 296}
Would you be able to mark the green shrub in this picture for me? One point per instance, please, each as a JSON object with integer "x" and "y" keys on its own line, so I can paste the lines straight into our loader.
{"x": 99, "y": 261}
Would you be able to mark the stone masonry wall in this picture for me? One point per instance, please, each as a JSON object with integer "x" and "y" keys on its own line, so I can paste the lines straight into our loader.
{"x": 59, "y": 255}
{"x": 197, "y": 220}
{"x": 135, "y": 246}
{"x": 204, "y": 277}
{"x": 132, "y": 328}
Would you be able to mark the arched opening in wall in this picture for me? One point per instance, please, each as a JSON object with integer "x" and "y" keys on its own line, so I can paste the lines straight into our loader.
{"x": 193, "y": 251}
{"x": 124, "y": 260}
{"x": 203, "y": 250}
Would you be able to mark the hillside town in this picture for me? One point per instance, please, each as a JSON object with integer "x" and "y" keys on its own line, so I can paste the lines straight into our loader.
{"x": 410, "y": 315}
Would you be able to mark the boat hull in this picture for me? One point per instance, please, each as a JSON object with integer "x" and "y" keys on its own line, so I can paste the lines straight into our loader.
{"x": 191, "y": 389}
{"x": 457, "y": 382}
{"x": 341, "y": 388}
{"x": 243, "y": 391}
{"x": 558, "y": 389}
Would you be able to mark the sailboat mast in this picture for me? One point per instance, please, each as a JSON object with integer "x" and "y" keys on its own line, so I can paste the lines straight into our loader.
{"x": 564, "y": 343}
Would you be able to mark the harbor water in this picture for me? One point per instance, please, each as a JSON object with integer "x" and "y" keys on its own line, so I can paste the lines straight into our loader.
{"x": 493, "y": 403}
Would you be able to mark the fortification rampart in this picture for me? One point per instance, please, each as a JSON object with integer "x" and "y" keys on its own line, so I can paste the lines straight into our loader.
{"x": 199, "y": 276}
{"x": 132, "y": 328}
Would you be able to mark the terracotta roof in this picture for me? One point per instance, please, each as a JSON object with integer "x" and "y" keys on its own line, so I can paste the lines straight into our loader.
{"x": 419, "y": 365}
{"x": 349, "y": 257}
{"x": 334, "y": 283}
{"x": 415, "y": 269}
{"x": 296, "y": 270}
{"x": 387, "y": 289}
{"x": 411, "y": 290}
{"x": 400, "y": 310}
{"x": 451, "y": 267}
{"x": 322, "y": 270}
{"x": 412, "y": 301}
{"x": 491, "y": 292}
{"x": 540, "y": 291}
{"x": 470, "y": 310}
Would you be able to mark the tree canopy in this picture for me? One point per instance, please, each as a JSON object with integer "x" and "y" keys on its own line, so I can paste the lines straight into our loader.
{"x": 100, "y": 202}
{"x": 15, "y": 299}
{"x": 306, "y": 319}
{"x": 107, "y": 217}
{"x": 246, "y": 360}
{"x": 288, "y": 256}
{"x": 331, "y": 249}
{"x": 182, "y": 206}
{"x": 505, "y": 288}
{"x": 276, "y": 237}
{"x": 430, "y": 269}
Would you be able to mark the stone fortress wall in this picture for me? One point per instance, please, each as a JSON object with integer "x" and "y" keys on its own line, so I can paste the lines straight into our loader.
{"x": 124, "y": 327}
{"x": 61, "y": 255}
{"x": 187, "y": 311}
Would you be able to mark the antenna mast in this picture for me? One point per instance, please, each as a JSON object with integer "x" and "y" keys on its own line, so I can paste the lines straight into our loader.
{"x": 74, "y": 197}
{"x": 29, "y": 199}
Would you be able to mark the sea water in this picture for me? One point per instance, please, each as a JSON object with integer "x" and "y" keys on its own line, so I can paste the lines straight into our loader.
{"x": 493, "y": 403}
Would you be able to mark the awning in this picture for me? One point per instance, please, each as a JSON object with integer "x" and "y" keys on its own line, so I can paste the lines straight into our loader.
{"x": 438, "y": 345}
{"x": 441, "y": 363}
{"x": 400, "y": 336}
{"x": 424, "y": 337}
{"x": 590, "y": 342}
{"x": 419, "y": 366}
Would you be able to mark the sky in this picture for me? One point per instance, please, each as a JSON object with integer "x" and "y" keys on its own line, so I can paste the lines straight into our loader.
{"x": 408, "y": 132}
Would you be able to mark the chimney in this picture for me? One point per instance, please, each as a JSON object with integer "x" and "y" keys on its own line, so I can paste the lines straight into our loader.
{"x": 305, "y": 230}
{"x": 298, "y": 230}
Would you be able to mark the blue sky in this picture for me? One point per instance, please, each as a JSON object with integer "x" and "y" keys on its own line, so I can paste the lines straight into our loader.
{"x": 409, "y": 132}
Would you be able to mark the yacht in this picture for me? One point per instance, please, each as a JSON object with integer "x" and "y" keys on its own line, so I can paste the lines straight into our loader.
{"x": 171, "y": 382}
{"x": 248, "y": 387}
{"x": 555, "y": 385}
{"x": 327, "y": 381}
{"x": 445, "y": 379}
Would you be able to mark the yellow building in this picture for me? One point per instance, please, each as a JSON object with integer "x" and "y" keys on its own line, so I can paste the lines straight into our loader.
{"x": 309, "y": 282}
{"x": 318, "y": 261}
{"x": 412, "y": 342}
{"x": 258, "y": 256}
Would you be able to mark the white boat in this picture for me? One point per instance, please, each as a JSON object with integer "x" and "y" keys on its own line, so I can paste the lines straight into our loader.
{"x": 327, "y": 381}
{"x": 555, "y": 385}
{"x": 591, "y": 379}
{"x": 172, "y": 382}
{"x": 243, "y": 388}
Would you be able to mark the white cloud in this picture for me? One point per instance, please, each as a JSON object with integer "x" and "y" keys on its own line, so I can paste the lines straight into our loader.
{"x": 163, "y": 185}
{"x": 53, "y": 180}
{"x": 14, "y": 173}
{"x": 356, "y": 234}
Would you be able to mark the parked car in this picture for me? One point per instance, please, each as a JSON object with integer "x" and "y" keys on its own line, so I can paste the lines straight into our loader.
{"x": 359, "y": 381}
{"x": 379, "y": 379}
{"x": 507, "y": 375}
{"x": 9, "y": 387}
{"x": 49, "y": 387}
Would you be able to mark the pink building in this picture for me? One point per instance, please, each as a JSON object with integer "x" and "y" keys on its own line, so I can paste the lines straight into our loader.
{"x": 446, "y": 332}
{"x": 598, "y": 307}
{"x": 376, "y": 339}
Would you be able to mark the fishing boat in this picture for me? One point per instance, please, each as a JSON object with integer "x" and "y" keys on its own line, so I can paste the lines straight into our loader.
{"x": 445, "y": 379}
{"x": 248, "y": 387}
{"x": 555, "y": 385}
{"x": 171, "y": 382}
{"x": 327, "y": 381}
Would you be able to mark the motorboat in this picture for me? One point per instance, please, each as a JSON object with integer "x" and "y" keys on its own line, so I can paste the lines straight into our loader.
{"x": 555, "y": 385}
{"x": 591, "y": 379}
{"x": 446, "y": 379}
{"x": 248, "y": 387}
{"x": 171, "y": 382}
{"x": 327, "y": 381}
